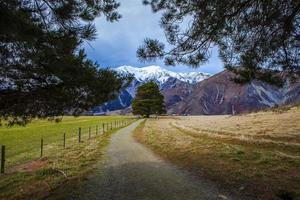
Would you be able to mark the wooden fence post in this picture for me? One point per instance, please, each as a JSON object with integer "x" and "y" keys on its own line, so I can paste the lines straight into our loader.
{"x": 2, "y": 159}
{"x": 103, "y": 128}
{"x": 89, "y": 132}
{"x": 64, "y": 140}
{"x": 79, "y": 135}
{"x": 96, "y": 129}
{"x": 111, "y": 124}
{"x": 42, "y": 146}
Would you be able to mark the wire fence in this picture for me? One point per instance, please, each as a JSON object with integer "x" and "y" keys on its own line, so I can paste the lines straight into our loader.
{"x": 37, "y": 147}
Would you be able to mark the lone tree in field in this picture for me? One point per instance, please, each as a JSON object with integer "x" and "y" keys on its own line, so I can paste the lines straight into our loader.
{"x": 148, "y": 100}
{"x": 257, "y": 39}
{"x": 44, "y": 71}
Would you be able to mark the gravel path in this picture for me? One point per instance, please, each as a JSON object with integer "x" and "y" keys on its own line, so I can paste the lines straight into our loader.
{"x": 133, "y": 172}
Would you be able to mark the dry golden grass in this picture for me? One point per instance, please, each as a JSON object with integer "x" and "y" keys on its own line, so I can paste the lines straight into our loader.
{"x": 256, "y": 154}
{"x": 272, "y": 126}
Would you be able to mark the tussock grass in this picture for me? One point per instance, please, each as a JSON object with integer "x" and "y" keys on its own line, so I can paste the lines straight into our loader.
{"x": 257, "y": 154}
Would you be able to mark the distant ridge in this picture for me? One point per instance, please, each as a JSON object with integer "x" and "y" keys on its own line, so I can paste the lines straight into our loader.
{"x": 219, "y": 95}
{"x": 201, "y": 94}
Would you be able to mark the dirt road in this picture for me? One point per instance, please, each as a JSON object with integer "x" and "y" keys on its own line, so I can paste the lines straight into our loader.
{"x": 133, "y": 172}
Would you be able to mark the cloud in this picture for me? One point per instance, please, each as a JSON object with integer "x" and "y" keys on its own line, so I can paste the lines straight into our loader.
{"x": 117, "y": 42}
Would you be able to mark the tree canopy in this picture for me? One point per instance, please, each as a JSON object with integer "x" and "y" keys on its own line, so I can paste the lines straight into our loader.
{"x": 148, "y": 100}
{"x": 257, "y": 39}
{"x": 44, "y": 71}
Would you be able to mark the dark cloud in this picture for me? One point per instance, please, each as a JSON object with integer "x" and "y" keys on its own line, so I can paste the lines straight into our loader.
{"x": 117, "y": 42}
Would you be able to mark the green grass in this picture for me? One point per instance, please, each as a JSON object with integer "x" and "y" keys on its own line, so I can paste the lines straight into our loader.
{"x": 26, "y": 179}
{"x": 23, "y": 143}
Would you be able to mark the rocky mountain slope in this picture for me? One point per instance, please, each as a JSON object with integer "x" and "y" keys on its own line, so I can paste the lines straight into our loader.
{"x": 200, "y": 94}
{"x": 220, "y": 95}
{"x": 164, "y": 78}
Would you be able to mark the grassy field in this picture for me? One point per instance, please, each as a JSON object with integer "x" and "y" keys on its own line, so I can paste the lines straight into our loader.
{"x": 23, "y": 143}
{"x": 29, "y": 176}
{"x": 256, "y": 154}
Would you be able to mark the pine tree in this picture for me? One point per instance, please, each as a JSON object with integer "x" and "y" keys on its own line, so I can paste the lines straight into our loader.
{"x": 44, "y": 71}
{"x": 148, "y": 100}
{"x": 257, "y": 39}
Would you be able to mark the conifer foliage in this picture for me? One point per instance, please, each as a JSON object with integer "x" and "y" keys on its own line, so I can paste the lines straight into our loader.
{"x": 257, "y": 39}
{"x": 148, "y": 100}
{"x": 44, "y": 71}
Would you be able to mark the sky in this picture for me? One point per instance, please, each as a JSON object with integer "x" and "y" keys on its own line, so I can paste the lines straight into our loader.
{"x": 117, "y": 42}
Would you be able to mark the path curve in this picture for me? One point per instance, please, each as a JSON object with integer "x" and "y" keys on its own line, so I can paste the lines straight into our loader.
{"x": 133, "y": 172}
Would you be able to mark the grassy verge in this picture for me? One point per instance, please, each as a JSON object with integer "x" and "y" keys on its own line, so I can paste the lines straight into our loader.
{"x": 261, "y": 170}
{"x": 40, "y": 178}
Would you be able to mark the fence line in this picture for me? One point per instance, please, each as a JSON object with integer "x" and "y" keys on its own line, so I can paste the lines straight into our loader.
{"x": 117, "y": 123}
{"x": 2, "y": 159}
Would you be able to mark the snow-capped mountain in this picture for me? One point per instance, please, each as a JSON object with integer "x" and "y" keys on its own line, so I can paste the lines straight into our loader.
{"x": 164, "y": 78}
{"x": 161, "y": 75}
{"x": 198, "y": 93}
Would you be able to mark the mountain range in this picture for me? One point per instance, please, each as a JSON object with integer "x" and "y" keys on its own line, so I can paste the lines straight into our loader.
{"x": 220, "y": 95}
{"x": 161, "y": 75}
{"x": 164, "y": 78}
{"x": 197, "y": 93}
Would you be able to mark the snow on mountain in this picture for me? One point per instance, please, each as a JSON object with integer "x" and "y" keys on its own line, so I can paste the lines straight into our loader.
{"x": 165, "y": 78}
{"x": 161, "y": 75}
{"x": 217, "y": 94}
